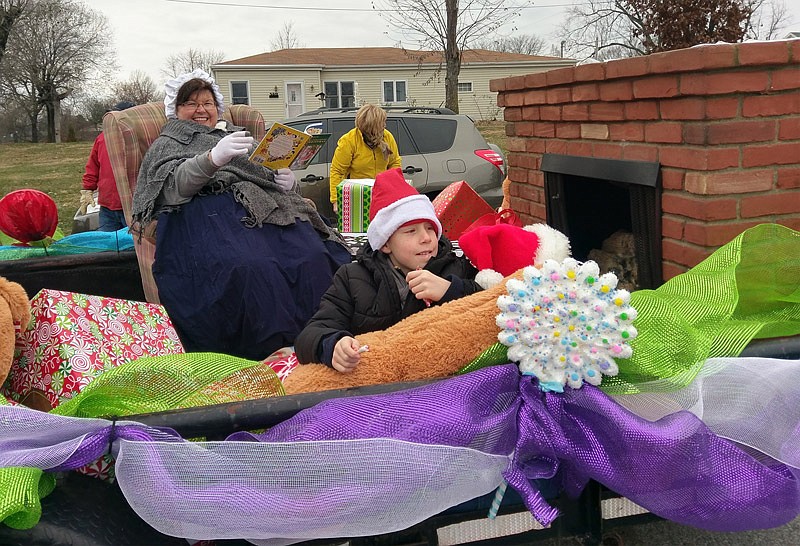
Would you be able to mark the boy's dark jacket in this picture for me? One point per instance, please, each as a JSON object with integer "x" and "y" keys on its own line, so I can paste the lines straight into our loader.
{"x": 364, "y": 298}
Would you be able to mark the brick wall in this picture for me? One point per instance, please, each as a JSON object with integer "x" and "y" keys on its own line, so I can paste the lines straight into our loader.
{"x": 722, "y": 120}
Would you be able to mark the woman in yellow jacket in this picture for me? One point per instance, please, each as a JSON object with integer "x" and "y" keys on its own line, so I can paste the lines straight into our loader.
{"x": 365, "y": 150}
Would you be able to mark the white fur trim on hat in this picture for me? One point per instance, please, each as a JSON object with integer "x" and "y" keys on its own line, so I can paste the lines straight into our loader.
{"x": 553, "y": 245}
{"x": 391, "y": 217}
{"x": 488, "y": 278}
{"x": 172, "y": 86}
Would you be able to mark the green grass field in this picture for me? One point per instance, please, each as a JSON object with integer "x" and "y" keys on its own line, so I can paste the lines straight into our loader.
{"x": 56, "y": 169}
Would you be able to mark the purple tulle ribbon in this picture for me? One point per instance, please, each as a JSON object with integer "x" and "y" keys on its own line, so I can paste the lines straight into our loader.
{"x": 676, "y": 467}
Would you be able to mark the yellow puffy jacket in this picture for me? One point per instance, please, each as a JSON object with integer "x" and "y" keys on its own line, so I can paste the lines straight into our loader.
{"x": 354, "y": 159}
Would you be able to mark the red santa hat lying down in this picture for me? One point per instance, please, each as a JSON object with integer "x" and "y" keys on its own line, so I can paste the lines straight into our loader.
{"x": 499, "y": 250}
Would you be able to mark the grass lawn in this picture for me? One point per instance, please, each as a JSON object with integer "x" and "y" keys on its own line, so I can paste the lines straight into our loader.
{"x": 56, "y": 169}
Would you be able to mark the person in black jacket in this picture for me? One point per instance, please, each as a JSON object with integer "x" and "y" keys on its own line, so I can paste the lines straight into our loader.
{"x": 405, "y": 266}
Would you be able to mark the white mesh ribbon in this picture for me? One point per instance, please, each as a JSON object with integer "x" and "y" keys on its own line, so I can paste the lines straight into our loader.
{"x": 23, "y": 444}
{"x": 751, "y": 401}
{"x": 279, "y": 493}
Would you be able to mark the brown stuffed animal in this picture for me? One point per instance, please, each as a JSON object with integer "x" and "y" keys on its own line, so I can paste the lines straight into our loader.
{"x": 14, "y": 308}
{"x": 439, "y": 341}
{"x": 433, "y": 343}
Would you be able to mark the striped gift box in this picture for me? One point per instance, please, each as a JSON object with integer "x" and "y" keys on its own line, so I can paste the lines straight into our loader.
{"x": 354, "y": 196}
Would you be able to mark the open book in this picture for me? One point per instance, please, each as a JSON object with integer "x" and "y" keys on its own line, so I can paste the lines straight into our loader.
{"x": 284, "y": 146}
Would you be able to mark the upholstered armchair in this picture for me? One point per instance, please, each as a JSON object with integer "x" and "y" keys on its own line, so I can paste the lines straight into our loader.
{"x": 129, "y": 133}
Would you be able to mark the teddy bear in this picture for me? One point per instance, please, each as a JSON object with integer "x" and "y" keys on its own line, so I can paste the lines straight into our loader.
{"x": 403, "y": 352}
{"x": 15, "y": 310}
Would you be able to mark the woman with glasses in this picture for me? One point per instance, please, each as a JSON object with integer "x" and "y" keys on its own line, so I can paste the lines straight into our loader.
{"x": 242, "y": 259}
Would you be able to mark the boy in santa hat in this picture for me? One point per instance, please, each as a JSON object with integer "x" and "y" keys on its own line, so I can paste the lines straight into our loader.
{"x": 405, "y": 266}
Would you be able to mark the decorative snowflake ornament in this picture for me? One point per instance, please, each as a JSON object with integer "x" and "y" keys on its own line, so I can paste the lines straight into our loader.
{"x": 565, "y": 323}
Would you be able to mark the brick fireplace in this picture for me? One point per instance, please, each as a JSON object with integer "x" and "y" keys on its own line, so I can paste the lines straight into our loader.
{"x": 721, "y": 122}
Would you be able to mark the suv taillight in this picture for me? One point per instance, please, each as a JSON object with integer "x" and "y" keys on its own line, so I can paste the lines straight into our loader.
{"x": 492, "y": 157}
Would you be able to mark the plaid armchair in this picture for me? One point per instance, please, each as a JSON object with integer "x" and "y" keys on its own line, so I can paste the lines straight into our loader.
{"x": 129, "y": 133}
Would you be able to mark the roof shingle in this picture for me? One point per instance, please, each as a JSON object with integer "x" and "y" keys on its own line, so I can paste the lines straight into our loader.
{"x": 353, "y": 56}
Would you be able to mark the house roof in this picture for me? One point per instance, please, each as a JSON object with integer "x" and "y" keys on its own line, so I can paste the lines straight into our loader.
{"x": 355, "y": 56}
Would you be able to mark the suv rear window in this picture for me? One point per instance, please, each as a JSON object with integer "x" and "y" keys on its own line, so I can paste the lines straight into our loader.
{"x": 432, "y": 135}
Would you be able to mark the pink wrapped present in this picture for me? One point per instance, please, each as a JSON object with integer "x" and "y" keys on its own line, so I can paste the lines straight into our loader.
{"x": 74, "y": 337}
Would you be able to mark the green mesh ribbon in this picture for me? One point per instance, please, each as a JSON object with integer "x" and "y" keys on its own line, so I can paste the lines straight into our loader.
{"x": 170, "y": 382}
{"x": 20, "y": 492}
{"x": 142, "y": 386}
{"x": 494, "y": 355}
{"x": 747, "y": 289}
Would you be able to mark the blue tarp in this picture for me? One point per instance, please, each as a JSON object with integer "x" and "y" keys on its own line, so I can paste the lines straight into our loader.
{"x": 79, "y": 243}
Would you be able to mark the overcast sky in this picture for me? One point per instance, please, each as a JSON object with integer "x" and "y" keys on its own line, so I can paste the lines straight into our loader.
{"x": 147, "y": 32}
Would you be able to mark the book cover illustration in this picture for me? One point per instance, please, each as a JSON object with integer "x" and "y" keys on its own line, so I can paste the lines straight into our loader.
{"x": 309, "y": 151}
{"x": 279, "y": 147}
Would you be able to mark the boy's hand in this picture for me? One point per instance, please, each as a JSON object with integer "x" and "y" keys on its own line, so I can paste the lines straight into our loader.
{"x": 346, "y": 354}
{"x": 427, "y": 286}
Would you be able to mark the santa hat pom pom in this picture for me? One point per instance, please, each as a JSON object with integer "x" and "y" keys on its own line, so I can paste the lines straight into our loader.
{"x": 488, "y": 278}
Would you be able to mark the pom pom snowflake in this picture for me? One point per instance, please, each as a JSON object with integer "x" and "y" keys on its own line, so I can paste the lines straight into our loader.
{"x": 565, "y": 323}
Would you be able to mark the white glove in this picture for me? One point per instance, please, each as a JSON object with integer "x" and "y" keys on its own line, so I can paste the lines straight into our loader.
{"x": 285, "y": 178}
{"x": 232, "y": 145}
{"x": 87, "y": 200}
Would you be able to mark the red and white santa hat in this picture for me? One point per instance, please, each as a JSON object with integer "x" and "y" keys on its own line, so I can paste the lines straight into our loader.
{"x": 499, "y": 250}
{"x": 396, "y": 203}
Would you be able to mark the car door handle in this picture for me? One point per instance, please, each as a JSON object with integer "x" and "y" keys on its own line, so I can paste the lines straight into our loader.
{"x": 412, "y": 170}
{"x": 312, "y": 178}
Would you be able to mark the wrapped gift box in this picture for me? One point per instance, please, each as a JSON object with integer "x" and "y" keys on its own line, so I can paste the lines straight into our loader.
{"x": 354, "y": 196}
{"x": 74, "y": 337}
{"x": 457, "y": 207}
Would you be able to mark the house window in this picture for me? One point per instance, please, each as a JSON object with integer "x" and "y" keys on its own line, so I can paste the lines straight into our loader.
{"x": 240, "y": 93}
{"x": 340, "y": 94}
{"x": 394, "y": 91}
{"x": 465, "y": 87}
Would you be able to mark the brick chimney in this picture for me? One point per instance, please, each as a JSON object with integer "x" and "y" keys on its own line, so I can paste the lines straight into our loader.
{"x": 723, "y": 122}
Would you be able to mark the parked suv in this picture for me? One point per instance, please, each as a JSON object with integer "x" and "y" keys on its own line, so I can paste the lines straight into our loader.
{"x": 437, "y": 147}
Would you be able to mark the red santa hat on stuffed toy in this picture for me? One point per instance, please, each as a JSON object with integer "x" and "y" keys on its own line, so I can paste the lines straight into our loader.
{"x": 396, "y": 203}
{"x": 499, "y": 250}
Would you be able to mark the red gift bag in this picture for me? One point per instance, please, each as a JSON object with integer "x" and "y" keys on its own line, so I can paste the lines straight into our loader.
{"x": 505, "y": 216}
{"x": 457, "y": 207}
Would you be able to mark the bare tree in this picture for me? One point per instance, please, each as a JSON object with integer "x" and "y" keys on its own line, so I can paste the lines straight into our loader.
{"x": 768, "y": 21}
{"x": 448, "y": 27}
{"x": 604, "y": 29}
{"x": 187, "y": 61}
{"x": 95, "y": 108}
{"x": 286, "y": 38}
{"x": 10, "y": 11}
{"x": 55, "y": 48}
{"x": 139, "y": 88}
{"x": 526, "y": 44}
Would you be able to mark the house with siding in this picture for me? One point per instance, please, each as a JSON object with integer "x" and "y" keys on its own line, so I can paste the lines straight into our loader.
{"x": 288, "y": 82}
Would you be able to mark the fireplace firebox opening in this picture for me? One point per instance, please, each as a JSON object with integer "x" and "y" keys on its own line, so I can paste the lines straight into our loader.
{"x": 611, "y": 211}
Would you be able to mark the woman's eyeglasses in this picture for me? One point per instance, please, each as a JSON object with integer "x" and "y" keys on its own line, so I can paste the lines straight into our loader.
{"x": 207, "y": 106}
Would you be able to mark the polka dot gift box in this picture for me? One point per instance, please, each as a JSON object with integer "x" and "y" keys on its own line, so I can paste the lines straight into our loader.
{"x": 457, "y": 207}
